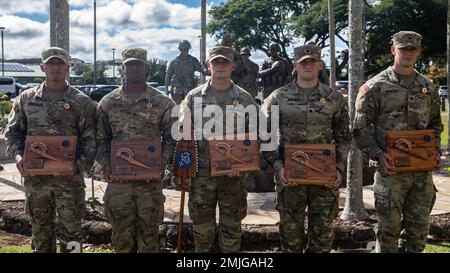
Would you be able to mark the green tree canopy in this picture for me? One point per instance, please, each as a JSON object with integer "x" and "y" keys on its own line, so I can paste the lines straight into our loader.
{"x": 87, "y": 76}
{"x": 157, "y": 70}
{"x": 256, "y": 24}
{"x": 427, "y": 17}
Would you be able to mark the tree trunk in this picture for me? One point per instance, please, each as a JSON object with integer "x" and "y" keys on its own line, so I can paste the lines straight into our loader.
{"x": 332, "y": 45}
{"x": 59, "y": 24}
{"x": 448, "y": 67}
{"x": 354, "y": 205}
{"x": 203, "y": 39}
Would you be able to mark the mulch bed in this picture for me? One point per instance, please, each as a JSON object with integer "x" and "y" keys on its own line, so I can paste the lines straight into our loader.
{"x": 96, "y": 230}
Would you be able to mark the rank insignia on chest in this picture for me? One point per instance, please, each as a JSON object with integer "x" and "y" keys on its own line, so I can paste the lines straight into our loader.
{"x": 424, "y": 90}
{"x": 149, "y": 105}
{"x": 66, "y": 106}
{"x": 322, "y": 100}
{"x": 235, "y": 102}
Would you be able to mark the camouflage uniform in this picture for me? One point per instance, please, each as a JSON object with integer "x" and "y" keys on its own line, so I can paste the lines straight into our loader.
{"x": 180, "y": 74}
{"x": 320, "y": 118}
{"x": 206, "y": 191}
{"x": 275, "y": 72}
{"x": 383, "y": 104}
{"x": 250, "y": 73}
{"x": 34, "y": 114}
{"x": 134, "y": 208}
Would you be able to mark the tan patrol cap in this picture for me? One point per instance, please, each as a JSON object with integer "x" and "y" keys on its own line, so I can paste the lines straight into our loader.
{"x": 134, "y": 54}
{"x": 221, "y": 52}
{"x": 404, "y": 39}
{"x": 55, "y": 52}
{"x": 302, "y": 53}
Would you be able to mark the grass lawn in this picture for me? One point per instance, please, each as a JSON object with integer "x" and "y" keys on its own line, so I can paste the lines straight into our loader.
{"x": 437, "y": 247}
{"x": 444, "y": 135}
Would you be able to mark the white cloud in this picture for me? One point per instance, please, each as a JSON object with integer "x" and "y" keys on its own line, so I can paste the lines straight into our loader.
{"x": 114, "y": 14}
{"x": 24, "y": 6}
{"x": 155, "y": 25}
{"x": 24, "y": 38}
{"x": 162, "y": 12}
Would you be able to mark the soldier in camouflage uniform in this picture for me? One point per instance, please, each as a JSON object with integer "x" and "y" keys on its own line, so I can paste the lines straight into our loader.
{"x": 227, "y": 191}
{"x": 180, "y": 73}
{"x": 310, "y": 112}
{"x": 275, "y": 71}
{"x": 250, "y": 73}
{"x": 134, "y": 111}
{"x": 54, "y": 108}
{"x": 399, "y": 98}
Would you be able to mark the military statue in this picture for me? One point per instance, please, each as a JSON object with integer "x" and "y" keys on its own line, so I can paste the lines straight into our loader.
{"x": 250, "y": 73}
{"x": 275, "y": 71}
{"x": 180, "y": 73}
{"x": 236, "y": 76}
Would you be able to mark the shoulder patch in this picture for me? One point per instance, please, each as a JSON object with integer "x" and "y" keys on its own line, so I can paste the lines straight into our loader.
{"x": 364, "y": 89}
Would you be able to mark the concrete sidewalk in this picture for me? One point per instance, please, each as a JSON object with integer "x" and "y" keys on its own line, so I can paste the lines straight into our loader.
{"x": 261, "y": 206}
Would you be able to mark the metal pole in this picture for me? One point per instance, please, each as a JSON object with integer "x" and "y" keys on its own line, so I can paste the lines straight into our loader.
{"x": 114, "y": 64}
{"x": 448, "y": 65}
{"x": 95, "y": 43}
{"x": 3, "y": 54}
{"x": 203, "y": 40}
{"x": 332, "y": 45}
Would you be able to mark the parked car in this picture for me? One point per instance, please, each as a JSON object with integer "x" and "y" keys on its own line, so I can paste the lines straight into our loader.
{"x": 342, "y": 86}
{"x": 28, "y": 86}
{"x": 443, "y": 91}
{"x": 86, "y": 89}
{"x": 7, "y": 86}
{"x": 162, "y": 89}
{"x": 102, "y": 90}
{"x": 18, "y": 88}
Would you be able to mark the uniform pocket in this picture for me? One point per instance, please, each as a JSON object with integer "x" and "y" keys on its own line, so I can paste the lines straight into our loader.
{"x": 241, "y": 203}
{"x": 382, "y": 198}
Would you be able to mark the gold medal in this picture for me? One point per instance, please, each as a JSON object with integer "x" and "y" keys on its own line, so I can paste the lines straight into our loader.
{"x": 424, "y": 90}
{"x": 322, "y": 100}
{"x": 66, "y": 106}
{"x": 235, "y": 102}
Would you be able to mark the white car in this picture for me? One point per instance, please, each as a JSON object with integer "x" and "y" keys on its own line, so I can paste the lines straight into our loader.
{"x": 162, "y": 89}
{"x": 443, "y": 91}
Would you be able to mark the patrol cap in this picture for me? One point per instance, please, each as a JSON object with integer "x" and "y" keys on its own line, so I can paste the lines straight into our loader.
{"x": 307, "y": 52}
{"x": 221, "y": 52}
{"x": 134, "y": 54}
{"x": 404, "y": 39}
{"x": 55, "y": 52}
{"x": 245, "y": 51}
